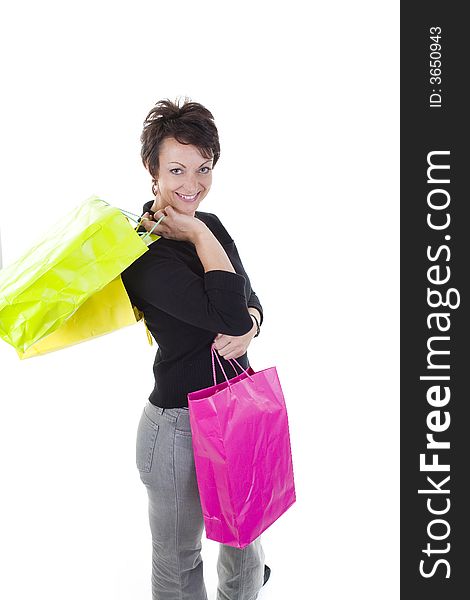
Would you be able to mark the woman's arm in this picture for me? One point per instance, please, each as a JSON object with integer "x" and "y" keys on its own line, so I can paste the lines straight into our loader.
{"x": 254, "y": 311}
{"x": 210, "y": 252}
{"x": 215, "y": 302}
{"x": 230, "y": 346}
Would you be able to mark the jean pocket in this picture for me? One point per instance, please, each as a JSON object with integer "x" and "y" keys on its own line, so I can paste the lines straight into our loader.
{"x": 147, "y": 432}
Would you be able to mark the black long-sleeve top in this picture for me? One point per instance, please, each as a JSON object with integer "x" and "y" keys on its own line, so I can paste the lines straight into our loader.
{"x": 185, "y": 309}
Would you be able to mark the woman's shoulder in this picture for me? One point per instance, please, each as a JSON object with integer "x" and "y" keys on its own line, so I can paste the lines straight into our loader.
{"x": 215, "y": 225}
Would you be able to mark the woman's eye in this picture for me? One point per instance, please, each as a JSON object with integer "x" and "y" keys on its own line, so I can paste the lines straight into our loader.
{"x": 203, "y": 170}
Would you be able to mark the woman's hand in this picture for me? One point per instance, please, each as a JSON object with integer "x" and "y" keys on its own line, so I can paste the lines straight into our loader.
{"x": 231, "y": 346}
{"x": 174, "y": 226}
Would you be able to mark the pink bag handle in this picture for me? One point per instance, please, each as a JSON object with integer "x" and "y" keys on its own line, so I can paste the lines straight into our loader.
{"x": 213, "y": 352}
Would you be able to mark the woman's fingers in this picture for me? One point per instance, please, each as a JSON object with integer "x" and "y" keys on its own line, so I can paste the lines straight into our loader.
{"x": 146, "y": 221}
{"x": 234, "y": 354}
{"x": 231, "y": 350}
{"x": 173, "y": 224}
{"x": 150, "y": 223}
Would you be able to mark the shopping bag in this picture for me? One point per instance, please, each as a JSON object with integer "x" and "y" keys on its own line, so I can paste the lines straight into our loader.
{"x": 81, "y": 255}
{"x": 242, "y": 454}
{"x": 105, "y": 311}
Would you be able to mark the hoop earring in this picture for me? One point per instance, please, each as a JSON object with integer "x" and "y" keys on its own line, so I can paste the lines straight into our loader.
{"x": 154, "y": 191}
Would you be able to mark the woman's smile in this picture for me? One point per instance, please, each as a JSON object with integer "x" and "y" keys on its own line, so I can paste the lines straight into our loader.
{"x": 187, "y": 198}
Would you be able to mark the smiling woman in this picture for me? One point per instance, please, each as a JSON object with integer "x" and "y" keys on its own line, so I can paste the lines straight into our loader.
{"x": 182, "y": 183}
{"x": 194, "y": 292}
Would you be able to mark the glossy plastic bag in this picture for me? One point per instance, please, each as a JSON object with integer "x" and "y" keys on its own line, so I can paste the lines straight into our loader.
{"x": 105, "y": 311}
{"x": 83, "y": 253}
{"x": 242, "y": 455}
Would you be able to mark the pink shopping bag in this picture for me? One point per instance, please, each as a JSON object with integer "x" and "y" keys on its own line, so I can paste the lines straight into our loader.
{"x": 242, "y": 454}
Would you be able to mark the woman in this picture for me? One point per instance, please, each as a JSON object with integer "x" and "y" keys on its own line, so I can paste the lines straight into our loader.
{"x": 193, "y": 291}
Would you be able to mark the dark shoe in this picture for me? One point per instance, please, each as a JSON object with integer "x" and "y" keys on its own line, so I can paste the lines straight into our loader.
{"x": 267, "y": 573}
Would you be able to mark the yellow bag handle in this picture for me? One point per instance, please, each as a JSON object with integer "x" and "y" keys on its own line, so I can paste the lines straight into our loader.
{"x": 139, "y": 316}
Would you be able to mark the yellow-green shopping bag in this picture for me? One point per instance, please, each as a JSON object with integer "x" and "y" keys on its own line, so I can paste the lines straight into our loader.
{"x": 105, "y": 311}
{"x": 81, "y": 255}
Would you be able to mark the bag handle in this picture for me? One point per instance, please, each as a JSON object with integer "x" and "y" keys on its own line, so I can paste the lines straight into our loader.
{"x": 149, "y": 233}
{"x": 231, "y": 361}
{"x": 145, "y": 237}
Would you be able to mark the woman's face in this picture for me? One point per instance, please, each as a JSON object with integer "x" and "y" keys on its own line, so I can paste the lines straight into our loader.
{"x": 184, "y": 177}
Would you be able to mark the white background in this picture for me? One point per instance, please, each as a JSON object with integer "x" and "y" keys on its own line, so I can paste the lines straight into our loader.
{"x": 305, "y": 96}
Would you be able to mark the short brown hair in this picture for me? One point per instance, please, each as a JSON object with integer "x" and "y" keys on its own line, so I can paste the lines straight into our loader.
{"x": 190, "y": 123}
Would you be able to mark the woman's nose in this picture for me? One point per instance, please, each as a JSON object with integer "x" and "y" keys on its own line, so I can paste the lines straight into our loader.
{"x": 191, "y": 184}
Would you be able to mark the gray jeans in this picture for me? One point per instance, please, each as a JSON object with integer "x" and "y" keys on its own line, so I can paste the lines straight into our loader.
{"x": 165, "y": 461}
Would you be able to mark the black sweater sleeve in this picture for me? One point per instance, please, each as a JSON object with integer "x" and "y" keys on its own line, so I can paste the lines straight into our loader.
{"x": 253, "y": 300}
{"x": 227, "y": 241}
{"x": 215, "y": 302}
